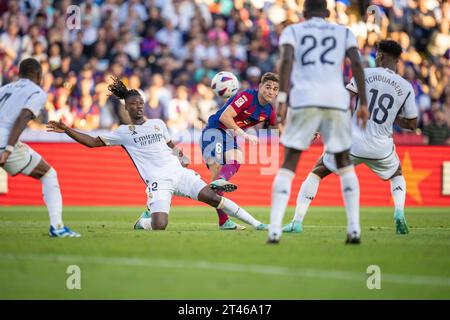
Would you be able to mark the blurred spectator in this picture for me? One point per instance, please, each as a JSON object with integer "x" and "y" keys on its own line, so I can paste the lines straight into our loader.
{"x": 438, "y": 131}
{"x": 14, "y": 11}
{"x": 78, "y": 59}
{"x": 180, "y": 111}
{"x": 204, "y": 105}
{"x": 10, "y": 40}
{"x": 33, "y": 35}
{"x": 154, "y": 109}
{"x": 170, "y": 49}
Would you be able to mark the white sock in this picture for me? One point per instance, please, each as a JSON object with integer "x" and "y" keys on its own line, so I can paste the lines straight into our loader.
{"x": 350, "y": 193}
{"x": 307, "y": 192}
{"x": 281, "y": 190}
{"x": 232, "y": 209}
{"x": 52, "y": 197}
{"x": 398, "y": 190}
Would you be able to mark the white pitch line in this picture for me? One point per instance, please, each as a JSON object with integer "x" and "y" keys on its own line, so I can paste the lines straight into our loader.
{"x": 376, "y": 227}
{"x": 232, "y": 267}
{"x": 313, "y": 226}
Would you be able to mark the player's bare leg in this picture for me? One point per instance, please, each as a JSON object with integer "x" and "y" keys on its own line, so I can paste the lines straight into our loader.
{"x": 350, "y": 193}
{"x": 281, "y": 190}
{"x": 52, "y": 198}
{"x": 233, "y": 160}
{"x": 214, "y": 169}
{"x": 220, "y": 176}
{"x": 398, "y": 190}
{"x": 152, "y": 221}
{"x": 208, "y": 196}
{"x": 308, "y": 191}
{"x": 159, "y": 220}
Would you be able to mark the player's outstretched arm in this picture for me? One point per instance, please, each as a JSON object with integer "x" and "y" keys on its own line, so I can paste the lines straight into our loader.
{"x": 285, "y": 64}
{"x": 409, "y": 124}
{"x": 84, "y": 139}
{"x": 179, "y": 154}
{"x": 362, "y": 113}
{"x": 227, "y": 119}
{"x": 21, "y": 122}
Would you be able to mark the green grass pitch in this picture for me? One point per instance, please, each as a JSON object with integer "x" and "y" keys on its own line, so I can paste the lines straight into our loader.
{"x": 192, "y": 259}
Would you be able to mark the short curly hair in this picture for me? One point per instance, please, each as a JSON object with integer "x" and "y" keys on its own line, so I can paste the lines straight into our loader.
{"x": 390, "y": 47}
{"x": 315, "y": 5}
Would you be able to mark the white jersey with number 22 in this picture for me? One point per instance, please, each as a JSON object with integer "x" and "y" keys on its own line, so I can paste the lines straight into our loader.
{"x": 319, "y": 50}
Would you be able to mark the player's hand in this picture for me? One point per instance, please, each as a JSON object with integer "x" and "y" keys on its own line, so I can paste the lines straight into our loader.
{"x": 185, "y": 161}
{"x": 4, "y": 157}
{"x": 280, "y": 128}
{"x": 362, "y": 115}
{"x": 251, "y": 138}
{"x": 59, "y": 127}
{"x": 316, "y": 136}
{"x": 281, "y": 112}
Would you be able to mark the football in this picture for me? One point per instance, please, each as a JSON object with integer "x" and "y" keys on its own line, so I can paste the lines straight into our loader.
{"x": 225, "y": 84}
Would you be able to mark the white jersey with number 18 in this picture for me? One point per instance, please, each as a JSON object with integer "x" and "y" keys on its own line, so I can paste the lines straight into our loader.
{"x": 388, "y": 95}
{"x": 317, "y": 77}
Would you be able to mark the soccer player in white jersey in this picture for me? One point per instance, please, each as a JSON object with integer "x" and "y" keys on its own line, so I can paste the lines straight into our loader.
{"x": 149, "y": 146}
{"x": 20, "y": 102}
{"x": 392, "y": 100}
{"x": 312, "y": 55}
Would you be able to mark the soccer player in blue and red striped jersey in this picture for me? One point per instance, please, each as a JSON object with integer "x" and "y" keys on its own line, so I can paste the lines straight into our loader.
{"x": 219, "y": 146}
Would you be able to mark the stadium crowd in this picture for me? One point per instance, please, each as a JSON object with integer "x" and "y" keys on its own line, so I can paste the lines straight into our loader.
{"x": 170, "y": 49}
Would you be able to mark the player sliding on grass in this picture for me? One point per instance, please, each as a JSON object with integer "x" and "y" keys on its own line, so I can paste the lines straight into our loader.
{"x": 219, "y": 147}
{"x": 21, "y": 101}
{"x": 149, "y": 146}
{"x": 391, "y": 101}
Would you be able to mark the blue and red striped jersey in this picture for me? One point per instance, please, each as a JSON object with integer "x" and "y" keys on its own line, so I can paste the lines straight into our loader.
{"x": 249, "y": 111}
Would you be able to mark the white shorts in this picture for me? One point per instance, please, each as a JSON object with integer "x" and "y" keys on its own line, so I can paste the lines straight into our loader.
{"x": 184, "y": 182}
{"x": 384, "y": 168}
{"x": 22, "y": 160}
{"x": 334, "y": 126}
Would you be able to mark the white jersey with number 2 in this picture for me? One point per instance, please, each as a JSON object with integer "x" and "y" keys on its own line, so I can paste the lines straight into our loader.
{"x": 388, "y": 95}
{"x": 317, "y": 77}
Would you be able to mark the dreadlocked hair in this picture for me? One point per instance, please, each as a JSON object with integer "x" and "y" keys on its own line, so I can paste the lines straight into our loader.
{"x": 120, "y": 90}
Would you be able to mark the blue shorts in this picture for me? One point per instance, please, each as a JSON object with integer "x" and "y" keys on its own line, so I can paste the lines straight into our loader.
{"x": 215, "y": 143}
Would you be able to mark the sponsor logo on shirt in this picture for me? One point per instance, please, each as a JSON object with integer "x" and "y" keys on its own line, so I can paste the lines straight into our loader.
{"x": 239, "y": 102}
{"x": 132, "y": 128}
{"x": 148, "y": 139}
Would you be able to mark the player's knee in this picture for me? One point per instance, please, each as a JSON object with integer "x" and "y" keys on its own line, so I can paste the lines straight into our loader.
{"x": 159, "y": 220}
{"x": 213, "y": 200}
{"x": 321, "y": 171}
{"x": 51, "y": 174}
{"x": 208, "y": 196}
{"x": 343, "y": 159}
{"x": 159, "y": 225}
{"x": 291, "y": 159}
